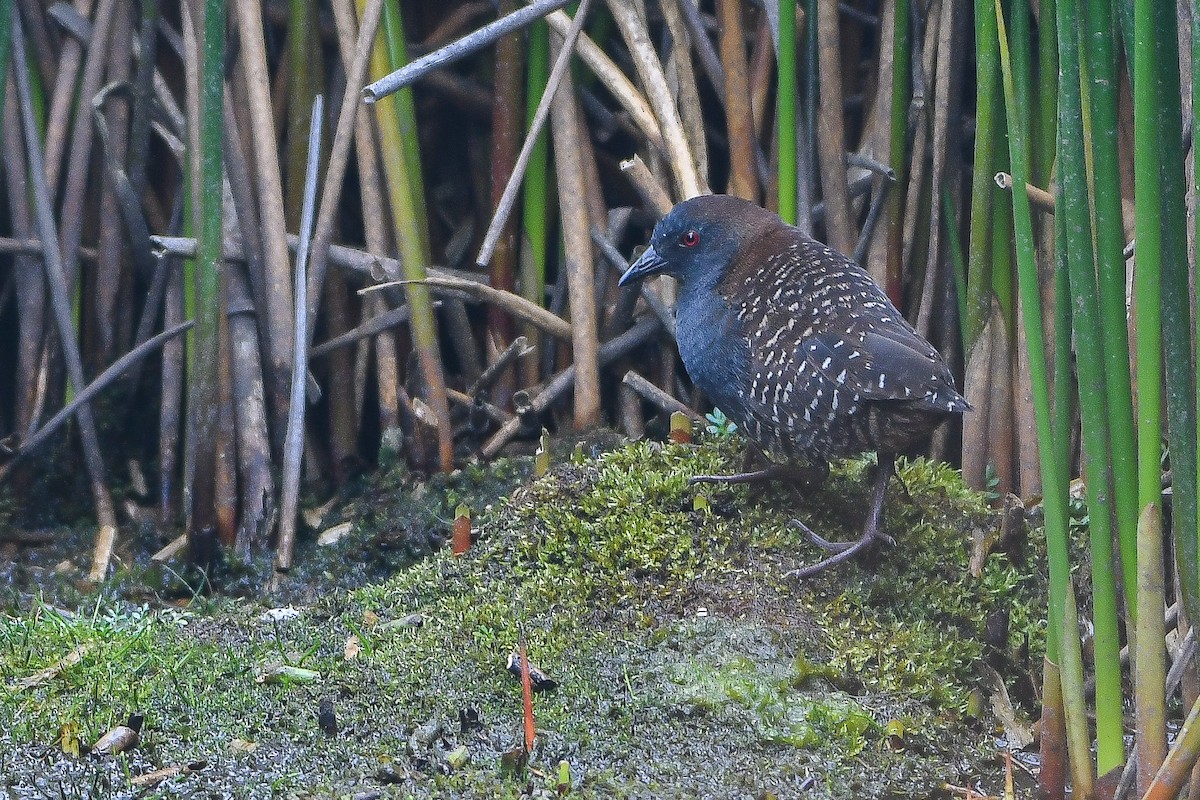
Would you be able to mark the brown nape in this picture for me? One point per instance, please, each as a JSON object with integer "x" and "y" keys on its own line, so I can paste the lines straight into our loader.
{"x": 770, "y": 237}
{"x": 756, "y": 228}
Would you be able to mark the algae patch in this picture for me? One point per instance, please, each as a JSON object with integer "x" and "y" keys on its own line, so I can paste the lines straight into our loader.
{"x": 775, "y": 695}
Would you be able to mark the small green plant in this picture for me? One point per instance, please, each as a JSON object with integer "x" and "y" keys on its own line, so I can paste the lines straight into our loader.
{"x": 991, "y": 480}
{"x": 719, "y": 424}
{"x": 1079, "y": 518}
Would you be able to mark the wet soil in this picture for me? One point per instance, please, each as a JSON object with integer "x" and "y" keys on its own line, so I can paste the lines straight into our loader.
{"x": 686, "y": 663}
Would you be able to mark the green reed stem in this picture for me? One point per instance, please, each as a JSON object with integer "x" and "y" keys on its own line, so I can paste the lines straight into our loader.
{"x": 1193, "y": 613}
{"x": 1054, "y": 486}
{"x": 1099, "y": 89}
{"x": 402, "y": 169}
{"x": 1045, "y": 144}
{"x": 1177, "y": 313}
{"x": 988, "y": 101}
{"x": 786, "y": 111}
{"x": 1073, "y": 222}
{"x": 1147, "y": 279}
{"x": 202, "y": 384}
{"x": 536, "y": 189}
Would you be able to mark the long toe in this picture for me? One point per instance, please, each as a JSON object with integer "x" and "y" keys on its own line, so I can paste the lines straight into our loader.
{"x": 755, "y": 476}
{"x": 821, "y": 541}
{"x": 851, "y": 550}
{"x": 803, "y": 476}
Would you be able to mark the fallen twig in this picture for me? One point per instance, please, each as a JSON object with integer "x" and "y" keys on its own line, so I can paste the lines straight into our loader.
{"x": 658, "y": 397}
{"x": 1041, "y": 199}
{"x": 504, "y": 207}
{"x": 415, "y": 70}
{"x": 495, "y": 413}
{"x": 33, "y": 247}
{"x": 376, "y": 324}
{"x": 558, "y": 385}
{"x": 362, "y": 263}
{"x": 518, "y": 349}
{"x": 171, "y": 549}
{"x": 618, "y": 85}
{"x": 653, "y": 193}
{"x": 512, "y": 303}
{"x": 293, "y": 448}
{"x": 335, "y": 170}
{"x": 109, "y": 375}
{"x": 66, "y": 662}
{"x": 629, "y": 16}
{"x": 59, "y": 293}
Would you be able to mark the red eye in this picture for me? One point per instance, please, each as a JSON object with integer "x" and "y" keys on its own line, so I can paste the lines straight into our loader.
{"x": 690, "y": 239}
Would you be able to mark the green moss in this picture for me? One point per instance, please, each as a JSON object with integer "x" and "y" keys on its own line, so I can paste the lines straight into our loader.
{"x": 133, "y": 660}
{"x": 616, "y": 542}
{"x": 688, "y": 664}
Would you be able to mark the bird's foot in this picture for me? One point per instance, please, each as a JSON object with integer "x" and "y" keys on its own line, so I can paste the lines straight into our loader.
{"x": 839, "y": 547}
{"x": 806, "y": 476}
{"x": 842, "y": 551}
{"x": 753, "y": 476}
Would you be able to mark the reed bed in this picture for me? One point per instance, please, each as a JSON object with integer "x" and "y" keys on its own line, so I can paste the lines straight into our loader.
{"x": 174, "y": 142}
{"x": 220, "y": 267}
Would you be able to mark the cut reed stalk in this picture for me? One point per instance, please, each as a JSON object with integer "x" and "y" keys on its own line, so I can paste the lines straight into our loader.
{"x": 60, "y": 303}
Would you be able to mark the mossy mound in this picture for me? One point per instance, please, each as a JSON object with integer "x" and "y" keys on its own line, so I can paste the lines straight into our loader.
{"x": 687, "y": 663}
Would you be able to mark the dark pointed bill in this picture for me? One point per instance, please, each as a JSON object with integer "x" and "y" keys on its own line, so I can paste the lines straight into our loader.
{"x": 648, "y": 263}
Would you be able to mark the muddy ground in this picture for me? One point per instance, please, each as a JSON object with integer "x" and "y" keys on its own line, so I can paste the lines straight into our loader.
{"x": 685, "y": 662}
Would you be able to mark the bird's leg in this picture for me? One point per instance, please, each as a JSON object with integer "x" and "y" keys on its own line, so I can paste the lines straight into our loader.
{"x": 808, "y": 476}
{"x": 770, "y": 472}
{"x": 753, "y": 454}
{"x": 844, "y": 551}
{"x": 908, "y": 495}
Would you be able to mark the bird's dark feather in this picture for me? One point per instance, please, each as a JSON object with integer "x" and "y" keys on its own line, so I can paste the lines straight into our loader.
{"x": 794, "y": 341}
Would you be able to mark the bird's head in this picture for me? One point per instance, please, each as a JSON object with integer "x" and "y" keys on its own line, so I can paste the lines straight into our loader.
{"x": 698, "y": 240}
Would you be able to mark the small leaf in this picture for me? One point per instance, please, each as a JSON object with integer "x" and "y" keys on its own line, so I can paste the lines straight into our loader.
{"x": 352, "y": 649}
{"x": 334, "y": 534}
{"x": 541, "y": 458}
{"x": 283, "y": 673}
{"x": 68, "y": 739}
